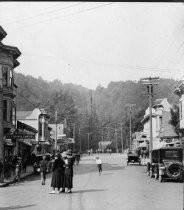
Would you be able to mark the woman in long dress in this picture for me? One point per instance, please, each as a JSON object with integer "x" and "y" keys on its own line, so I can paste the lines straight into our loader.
{"x": 57, "y": 174}
{"x": 68, "y": 174}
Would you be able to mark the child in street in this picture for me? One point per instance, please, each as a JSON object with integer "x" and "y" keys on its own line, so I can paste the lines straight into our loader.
{"x": 99, "y": 165}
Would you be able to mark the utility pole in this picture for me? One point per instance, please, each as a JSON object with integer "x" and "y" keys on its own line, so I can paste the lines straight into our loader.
{"x": 91, "y": 117}
{"x": 1, "y": 133}
{"x": 74, "y": 136}
{"x": 79, "y": 139}
{"x": 130, "y": 111}
{"x": 149, "y": 82}
{"x": 116, "y": 139}
{"x": 88, "y": 140}
{"x": 122, "y": 137}
{"x": 56, "y": 131}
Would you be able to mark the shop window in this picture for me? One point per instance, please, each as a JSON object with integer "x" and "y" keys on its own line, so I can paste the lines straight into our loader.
{"x": 5, "y": 75}
{"x": 5, "y": 110}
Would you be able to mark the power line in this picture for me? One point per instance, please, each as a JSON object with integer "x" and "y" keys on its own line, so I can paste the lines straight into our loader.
{"x": 143, "y": 68}
{"x": 72, "y": 14}
{"x": 44, "y": 13}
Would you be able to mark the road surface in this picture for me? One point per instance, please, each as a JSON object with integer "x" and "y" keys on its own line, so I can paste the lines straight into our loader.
{"x": 119, "y": 187}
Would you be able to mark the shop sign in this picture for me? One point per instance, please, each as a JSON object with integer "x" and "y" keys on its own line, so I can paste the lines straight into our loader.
{"x": 21, "y": 136}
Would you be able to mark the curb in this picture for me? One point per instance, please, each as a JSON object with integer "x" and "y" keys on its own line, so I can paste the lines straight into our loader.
{"x": 6, "y": 184}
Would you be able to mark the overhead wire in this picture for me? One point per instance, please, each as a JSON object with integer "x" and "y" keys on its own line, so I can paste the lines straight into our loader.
{"x": 58, "y": 17}
{"x": 44, "y": 13}
{"x": 143, "y": 68}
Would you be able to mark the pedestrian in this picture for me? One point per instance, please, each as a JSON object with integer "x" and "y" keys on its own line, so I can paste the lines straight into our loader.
{"x": 99, "y": 165}
{"x": 18, "y": 169}
{"x": 43, "y": 169}
{"x": 68, "y": 180}
{"x": 57, "y": 174}
{"x": 24, "y": 164}
{"x": 110, "y": 151}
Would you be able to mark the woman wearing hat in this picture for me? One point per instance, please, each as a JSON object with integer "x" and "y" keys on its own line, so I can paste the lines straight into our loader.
{"x": 57, "y": 174}
{"x": 68, "y": 174}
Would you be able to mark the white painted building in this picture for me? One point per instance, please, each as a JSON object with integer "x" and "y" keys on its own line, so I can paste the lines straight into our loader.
{"x": 162, "y": 131}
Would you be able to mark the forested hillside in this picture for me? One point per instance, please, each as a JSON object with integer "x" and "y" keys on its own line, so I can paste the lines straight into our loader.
{"x": 73, "y": 102}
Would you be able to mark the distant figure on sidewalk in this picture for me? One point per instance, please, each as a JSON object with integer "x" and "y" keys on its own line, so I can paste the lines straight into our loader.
{"x": 99, "y": 165}
{"x": 43, "y": 169}
{"x": 18, "y": 169}
{"x": 24, "y": 164}
{"x": 110, "y": 151}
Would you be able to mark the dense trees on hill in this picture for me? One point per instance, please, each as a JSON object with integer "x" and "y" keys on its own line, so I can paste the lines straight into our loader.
{"x": 73, "y": 102}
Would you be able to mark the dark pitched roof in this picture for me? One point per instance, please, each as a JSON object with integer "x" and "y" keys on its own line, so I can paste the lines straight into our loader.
{"x": 167, "y": 130}
{"x": 2, "y": 33}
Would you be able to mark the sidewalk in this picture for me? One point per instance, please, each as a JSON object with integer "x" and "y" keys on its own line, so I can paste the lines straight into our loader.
{"x": 29, "y": 171}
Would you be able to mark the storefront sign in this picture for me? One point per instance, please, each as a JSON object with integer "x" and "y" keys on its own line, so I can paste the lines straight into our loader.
{"x": 20, "y": 136}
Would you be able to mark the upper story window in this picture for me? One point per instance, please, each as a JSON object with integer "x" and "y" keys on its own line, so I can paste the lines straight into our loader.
{"x": 5, "y": 75}
{"x": 11, "y": 78}
{"x": 5, "y": 110}
{"x": 180, "y": 109}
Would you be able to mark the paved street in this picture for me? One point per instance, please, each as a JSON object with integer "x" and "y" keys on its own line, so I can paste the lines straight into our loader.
{"x": 119, "y": 187}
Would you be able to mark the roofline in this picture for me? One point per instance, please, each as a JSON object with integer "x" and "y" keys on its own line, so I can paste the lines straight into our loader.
{"x": 11, "y": 48}
{"x": 3, "y": 33}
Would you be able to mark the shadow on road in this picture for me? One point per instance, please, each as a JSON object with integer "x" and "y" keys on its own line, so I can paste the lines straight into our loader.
{"x": 90, "y": 190}
{"x": 16, "y": 207}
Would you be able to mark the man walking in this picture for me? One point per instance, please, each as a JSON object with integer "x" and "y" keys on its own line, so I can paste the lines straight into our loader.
{"x": 99, "y": 165}
{"x": 43, "y": 169}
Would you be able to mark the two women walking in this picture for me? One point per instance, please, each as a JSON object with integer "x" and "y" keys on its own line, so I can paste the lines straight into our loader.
{"x": 62, "y": 173}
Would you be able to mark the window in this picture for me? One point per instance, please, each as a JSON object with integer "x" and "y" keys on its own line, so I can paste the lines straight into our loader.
{"x": 11, "y": 111}
{"x": 5, "y": 75}
{"x": 180, "y": 109}
{"x": 11, "y": 78}
{"x": 5, "y": 110}
{"x": 171, "y": 154}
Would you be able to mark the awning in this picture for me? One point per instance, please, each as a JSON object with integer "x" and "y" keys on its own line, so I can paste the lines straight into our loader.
{"x": 8, "y": 142}
{"x": 25, "y": 141}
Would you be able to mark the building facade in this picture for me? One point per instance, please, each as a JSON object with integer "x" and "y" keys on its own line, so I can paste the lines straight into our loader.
{"x": 38, "y": 119}
{"x": 8, "y": 62}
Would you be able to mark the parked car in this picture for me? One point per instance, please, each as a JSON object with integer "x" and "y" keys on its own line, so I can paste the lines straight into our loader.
{"x": 133, "y": 157}
{"x": 166, "y": 163}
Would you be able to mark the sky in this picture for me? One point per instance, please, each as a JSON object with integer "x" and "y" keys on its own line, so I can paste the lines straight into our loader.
{"x": 94, "y": 43}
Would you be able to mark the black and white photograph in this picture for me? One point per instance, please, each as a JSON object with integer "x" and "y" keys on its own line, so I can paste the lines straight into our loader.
{"x": 91, "y": 105}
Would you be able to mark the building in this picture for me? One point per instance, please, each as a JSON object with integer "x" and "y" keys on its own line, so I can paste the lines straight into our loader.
{"x": 38, "y": 119}
{"x": 8, "y": 62}
{"x": 162, "y": 131}
{"x": 179, "y": 91}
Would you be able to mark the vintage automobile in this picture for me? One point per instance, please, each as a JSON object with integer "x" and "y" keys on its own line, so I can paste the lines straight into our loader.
{"x": 166, "y": 163}
{"x": 133, "y": 157}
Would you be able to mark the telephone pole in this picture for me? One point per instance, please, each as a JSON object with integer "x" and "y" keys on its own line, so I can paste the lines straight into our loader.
{"x": 56, "y": 131}
{"x": 116, "y": 139}
{"x": 130, "y": 111}
{"x": 1, "y": 133}
{"x": 80, "y": 139}
{"x": 150, "y": 82}
{"x": 74, "y": 136}
{"x": 121, "y": 137}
